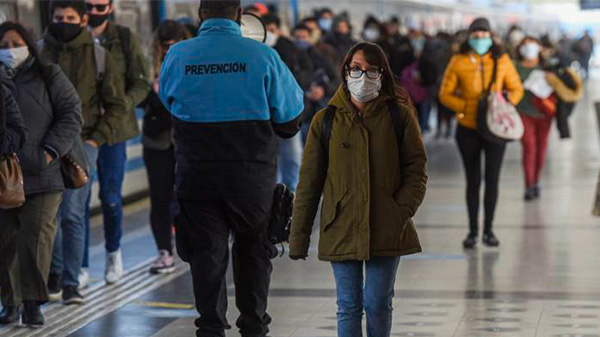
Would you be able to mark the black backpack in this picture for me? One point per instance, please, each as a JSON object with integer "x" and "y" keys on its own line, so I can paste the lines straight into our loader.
{"x": 397, "y": 122}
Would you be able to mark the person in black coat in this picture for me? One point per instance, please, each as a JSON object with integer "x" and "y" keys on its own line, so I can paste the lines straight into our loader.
{"x": 340, "y": 37}
{"x": 13, "y": 131}
{"x": 325, "y": 79}
{"x": 51, "y": 110}
{"x": 159, "y": 153}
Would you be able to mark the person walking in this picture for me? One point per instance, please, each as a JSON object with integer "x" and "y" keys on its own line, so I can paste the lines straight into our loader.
{"x": 365, "y": 155}
{"x": 159, "y": 153}
{"x": 228, "y": 109}
{"x": 93, "y": 73}
{"x": 466, "y": 80}
{"x": 131, "y": 65}
{"x": 537, "y": 120}
{"x": 51, "y": 110}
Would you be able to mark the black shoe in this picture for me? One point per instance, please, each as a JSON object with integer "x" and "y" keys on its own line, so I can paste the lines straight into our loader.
{"x": 10, "y": 314}
{"x": 490, "y": 240}
{"x": 470, "y": 242}
{"x": 71, "y": 295}
{"x": 32, "y": 315}
{"x": 54, "y": 288}
{"x": 537, "y": 192}
{"x": 529, "y": 194}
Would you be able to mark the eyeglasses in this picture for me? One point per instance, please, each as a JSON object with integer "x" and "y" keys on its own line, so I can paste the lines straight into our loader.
{"x": 99, "y": 8}
{"x": 371, "y": 73}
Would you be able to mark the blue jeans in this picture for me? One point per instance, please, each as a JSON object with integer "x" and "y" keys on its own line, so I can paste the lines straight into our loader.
{"x": 111, "y": 172}
{"x": 373, "y": 296}
{"x": 70, "y": 235}
{"x": 289, "y": 161}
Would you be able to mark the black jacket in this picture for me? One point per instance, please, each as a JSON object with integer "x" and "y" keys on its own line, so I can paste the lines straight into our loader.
{"x": 53, "y": 117}
{"x": 13, "y": 132}
{"x": 297, "y": 60}
{"x": 342, "y": 43}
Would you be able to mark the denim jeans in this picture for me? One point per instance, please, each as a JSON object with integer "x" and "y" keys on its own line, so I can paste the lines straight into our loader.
{"x": 289, "y": 161}
{"x": 111, "y": 172}
{"x": 373, "y": 296}
{"x": 70, "y": 235}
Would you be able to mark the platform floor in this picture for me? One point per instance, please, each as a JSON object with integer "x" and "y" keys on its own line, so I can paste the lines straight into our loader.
{"x": 544, "y": 280}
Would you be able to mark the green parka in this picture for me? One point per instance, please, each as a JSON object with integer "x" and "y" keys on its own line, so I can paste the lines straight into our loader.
{"x": 369, "y": 193}
{"x": 76, "y": 58}
{"x": 136, "y": 76}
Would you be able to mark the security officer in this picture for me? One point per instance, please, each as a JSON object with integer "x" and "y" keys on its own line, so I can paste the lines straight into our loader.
{"x": 230, "y": 97}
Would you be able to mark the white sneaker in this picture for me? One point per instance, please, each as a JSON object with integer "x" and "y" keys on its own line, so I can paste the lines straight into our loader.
{"x": 163, "y": 264}
{"x": 114, "y": 267}
{"x": 83, "y": 278}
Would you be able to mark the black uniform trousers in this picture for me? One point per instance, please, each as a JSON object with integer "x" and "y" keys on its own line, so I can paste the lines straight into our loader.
{"x": 203, "y": 230}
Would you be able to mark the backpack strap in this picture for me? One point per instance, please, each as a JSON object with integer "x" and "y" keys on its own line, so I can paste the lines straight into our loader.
{"x": 100, "y": 58}
{"x": 398, "y": 123}
{"x": 326, "y": 128}
{"x": 125, "y": 38}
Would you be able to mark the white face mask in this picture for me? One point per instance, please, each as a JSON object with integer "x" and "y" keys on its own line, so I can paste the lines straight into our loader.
{"x": 271, "y": 40}
{"x": 14, "y": 57}
{"x": 364, "y": 89}
{"x": 530, "y": 51}
{"x": 515, "y": 37}
{"x": 372, "y": 34}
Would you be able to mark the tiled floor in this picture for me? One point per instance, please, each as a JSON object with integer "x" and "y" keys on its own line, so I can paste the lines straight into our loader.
{"x": 544, "y": 280}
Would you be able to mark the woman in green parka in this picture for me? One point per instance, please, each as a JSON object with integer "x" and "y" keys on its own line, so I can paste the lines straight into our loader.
{"x": 371, "y": 170}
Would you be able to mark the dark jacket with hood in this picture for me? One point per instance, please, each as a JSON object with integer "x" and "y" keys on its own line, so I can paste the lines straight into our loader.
{"x": 13, "y": 131}
{"x": 340, "y": 42}
{"x": 103, "y": 102}
{"x": 52, "y": 115}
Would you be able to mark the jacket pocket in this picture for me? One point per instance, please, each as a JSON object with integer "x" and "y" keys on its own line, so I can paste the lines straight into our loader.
{"x": 331, "y": 208}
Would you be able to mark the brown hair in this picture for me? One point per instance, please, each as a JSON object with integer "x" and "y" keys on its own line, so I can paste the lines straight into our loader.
{"x": 375, "y": 56}
{"x": 168, "y": 30}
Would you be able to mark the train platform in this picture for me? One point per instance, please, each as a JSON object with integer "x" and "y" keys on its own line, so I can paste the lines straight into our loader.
{"x": 543, "y": 281}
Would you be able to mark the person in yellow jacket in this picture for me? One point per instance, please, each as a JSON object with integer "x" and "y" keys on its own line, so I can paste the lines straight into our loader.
{"x": 467, "y": 78}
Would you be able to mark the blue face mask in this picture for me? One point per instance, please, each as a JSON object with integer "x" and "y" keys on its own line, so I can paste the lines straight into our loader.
{"x": 302, "y": 44}
{"x": 326, "y": 24}
{"x": 481, "y": 46}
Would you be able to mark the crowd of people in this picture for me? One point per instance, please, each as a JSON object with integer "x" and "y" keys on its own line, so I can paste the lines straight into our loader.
{"x": 364, "y": 102}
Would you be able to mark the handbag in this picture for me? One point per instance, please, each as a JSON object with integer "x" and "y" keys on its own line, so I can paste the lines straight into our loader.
{"x": 497, "y": 120}
{"x": 74, "y": 166}
{"x": 12, "y": 191}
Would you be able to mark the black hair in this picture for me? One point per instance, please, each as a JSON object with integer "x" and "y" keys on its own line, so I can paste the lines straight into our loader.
{"x": 272, "y": 19}
{"x": 219, "y": 9}
{"x": 325, "y": 10}
{"x": 77, "y": 5}
{"x": 302, "y": 26}
{"x": 27, "y": 37}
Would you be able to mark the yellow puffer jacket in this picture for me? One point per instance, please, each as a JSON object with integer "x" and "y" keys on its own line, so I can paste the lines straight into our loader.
{"x": 462, "y": 84}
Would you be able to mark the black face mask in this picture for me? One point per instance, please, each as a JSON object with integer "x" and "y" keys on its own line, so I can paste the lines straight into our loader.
{"x": 97, "y": 20}
{"x": 65, "y": 32}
